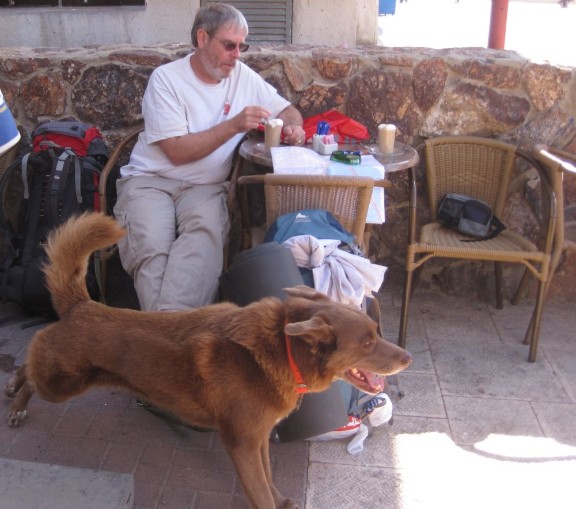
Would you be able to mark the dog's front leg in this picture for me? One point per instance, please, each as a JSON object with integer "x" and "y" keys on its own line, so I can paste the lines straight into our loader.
{"x": 246, "y": 459}
{"x": 280, "y": 501}
{"x": 246, "y": 454}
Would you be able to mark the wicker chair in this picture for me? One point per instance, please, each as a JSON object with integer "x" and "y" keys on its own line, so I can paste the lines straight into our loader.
{"x": 107, "y": 192}
{"x": 347, "y": 198}
{"x": 481, "y": 168}
{"x": 559, "y": 163}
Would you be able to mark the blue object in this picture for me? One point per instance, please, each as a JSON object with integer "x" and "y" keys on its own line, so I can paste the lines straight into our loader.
{"x": 316, "y": 222}
{"x": 322, "y": 127}
{"x": 386, "y": 6}
{"x": 9, "y": 134}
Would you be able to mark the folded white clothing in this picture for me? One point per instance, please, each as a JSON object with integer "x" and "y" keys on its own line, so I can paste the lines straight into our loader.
{"x": 343, "y": 276}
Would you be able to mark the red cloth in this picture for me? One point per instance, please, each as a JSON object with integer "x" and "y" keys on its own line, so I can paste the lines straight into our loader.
{"x": 341, "y": 125}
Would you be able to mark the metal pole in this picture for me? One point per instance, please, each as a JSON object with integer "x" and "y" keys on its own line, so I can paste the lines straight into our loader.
{"x": 498, "y": 18}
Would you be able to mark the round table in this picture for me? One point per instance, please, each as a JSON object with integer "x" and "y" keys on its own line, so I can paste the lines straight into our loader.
{"x": 254, "y": 151}
{"x": 403, "y": 157}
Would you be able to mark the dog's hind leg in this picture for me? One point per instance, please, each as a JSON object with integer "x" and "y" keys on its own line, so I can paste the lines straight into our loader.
{"x": 17, "y": 412}
{"x": 13, "y": 385}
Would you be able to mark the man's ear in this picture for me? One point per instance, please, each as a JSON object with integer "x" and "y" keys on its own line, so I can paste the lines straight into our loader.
{"x": 202, "y": 37}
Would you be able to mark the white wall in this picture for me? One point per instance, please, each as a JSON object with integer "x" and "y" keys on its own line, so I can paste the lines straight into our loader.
{"x": 335, "y": 22}
{"x": 161, "y": 21}
{"x": 320, "y": 22}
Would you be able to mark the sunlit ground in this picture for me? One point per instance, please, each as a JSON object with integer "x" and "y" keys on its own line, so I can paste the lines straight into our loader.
{"x": 499, "y": 472}
{"x": 541, "y": 31}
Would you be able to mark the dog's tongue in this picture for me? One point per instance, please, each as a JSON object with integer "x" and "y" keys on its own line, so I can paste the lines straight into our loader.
{"x": 366, "y": 380}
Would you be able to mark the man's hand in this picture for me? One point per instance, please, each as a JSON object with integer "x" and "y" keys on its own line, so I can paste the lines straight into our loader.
{"x": 293, "y": 132}
{"x": 294, "y": 135}
{"x": 249, "y": 118}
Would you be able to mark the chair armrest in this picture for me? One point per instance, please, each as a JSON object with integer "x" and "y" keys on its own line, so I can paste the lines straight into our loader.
{"x": 251, "y": 179}
{"x": 386, "y": 184}
{"x": 566, "y": 160}
{"x": 548, "y": 192}
{"x": 111, "y": 163}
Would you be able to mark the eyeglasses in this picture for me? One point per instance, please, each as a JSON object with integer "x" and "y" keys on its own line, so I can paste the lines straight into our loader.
{"x": 231, "y": 46}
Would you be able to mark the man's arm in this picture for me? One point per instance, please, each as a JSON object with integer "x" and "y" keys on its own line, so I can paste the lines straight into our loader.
{"x": 194, "y": 146}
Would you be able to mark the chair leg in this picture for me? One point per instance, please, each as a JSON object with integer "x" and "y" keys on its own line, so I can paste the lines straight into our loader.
{"x": 498, "y": 284}
{"x": 533, "y": 333}
{"x": 521, "y": 287}
{"x": 100, "y": 270}
{"x": 405, "y": 304}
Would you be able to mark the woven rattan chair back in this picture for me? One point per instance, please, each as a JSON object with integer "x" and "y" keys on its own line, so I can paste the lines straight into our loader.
{"x": 477, "y": 167}
{"x": 347, "y": 198}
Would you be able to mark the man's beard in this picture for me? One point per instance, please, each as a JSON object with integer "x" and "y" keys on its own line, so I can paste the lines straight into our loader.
{"x": 215, "y": 72}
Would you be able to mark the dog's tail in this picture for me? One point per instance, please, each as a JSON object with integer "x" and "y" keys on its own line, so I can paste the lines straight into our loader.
{"x": 69, "y": 249}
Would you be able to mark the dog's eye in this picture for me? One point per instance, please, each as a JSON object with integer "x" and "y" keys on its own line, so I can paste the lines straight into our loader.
{"x": 368, "y": 343}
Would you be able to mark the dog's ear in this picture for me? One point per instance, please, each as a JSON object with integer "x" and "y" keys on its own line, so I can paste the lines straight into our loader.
{"x": 305, "y": 292}
{"x": 373, "y": 311}
{"x": 314, "y": 330}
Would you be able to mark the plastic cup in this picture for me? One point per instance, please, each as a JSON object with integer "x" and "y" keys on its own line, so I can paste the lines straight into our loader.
{"x": 386, "y": 138}
{"x": 272, "y": 133}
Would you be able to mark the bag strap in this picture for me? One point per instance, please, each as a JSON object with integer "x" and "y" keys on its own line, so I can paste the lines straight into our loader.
{"x": 497, "y": 226}
{"x": 58, "y": 180}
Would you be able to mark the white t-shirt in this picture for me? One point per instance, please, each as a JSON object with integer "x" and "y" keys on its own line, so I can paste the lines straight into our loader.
{"x": 176, "y": 103}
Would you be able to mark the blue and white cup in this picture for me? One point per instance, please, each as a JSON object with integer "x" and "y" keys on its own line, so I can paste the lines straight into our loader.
{"x": 9, "y": 134}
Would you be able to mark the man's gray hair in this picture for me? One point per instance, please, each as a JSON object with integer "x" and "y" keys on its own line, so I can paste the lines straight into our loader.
{"x": 214, "y": 16}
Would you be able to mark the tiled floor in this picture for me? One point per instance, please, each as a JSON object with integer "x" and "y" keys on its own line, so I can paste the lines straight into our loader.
{"x": 475, "y": 425}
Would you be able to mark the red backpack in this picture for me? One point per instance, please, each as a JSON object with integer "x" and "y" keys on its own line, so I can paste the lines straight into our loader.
{"x": 43, "y": 188}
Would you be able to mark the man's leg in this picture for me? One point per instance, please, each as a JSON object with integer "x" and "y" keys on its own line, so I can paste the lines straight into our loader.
{"x": 145, "y": 207}
{"x": 195, "y": 261}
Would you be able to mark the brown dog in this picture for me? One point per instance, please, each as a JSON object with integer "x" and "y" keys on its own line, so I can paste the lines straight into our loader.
{"x": 184, "y": 361}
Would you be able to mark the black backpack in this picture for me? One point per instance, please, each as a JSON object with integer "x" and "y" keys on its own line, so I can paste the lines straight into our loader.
{"x": 38, "y": 192}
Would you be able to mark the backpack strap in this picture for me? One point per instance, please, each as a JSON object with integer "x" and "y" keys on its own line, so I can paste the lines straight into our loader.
{"x": 58, "y": 180}
{"x": 24, "y": 173}
{"x": 33, "y": 217}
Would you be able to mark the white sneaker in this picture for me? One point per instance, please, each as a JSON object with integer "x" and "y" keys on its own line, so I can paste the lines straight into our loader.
{"x": 379, "y": 410}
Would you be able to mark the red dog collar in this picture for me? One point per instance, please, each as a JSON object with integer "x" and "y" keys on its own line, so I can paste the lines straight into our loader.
{"x": 301, "y": 387}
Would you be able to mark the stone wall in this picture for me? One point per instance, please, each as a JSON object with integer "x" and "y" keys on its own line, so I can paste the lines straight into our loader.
{"x": 425, "y": 92}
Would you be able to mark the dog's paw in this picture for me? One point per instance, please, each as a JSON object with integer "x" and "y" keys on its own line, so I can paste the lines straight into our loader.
{"x": 10, "y": 388}
{"x": 16, "y": 417}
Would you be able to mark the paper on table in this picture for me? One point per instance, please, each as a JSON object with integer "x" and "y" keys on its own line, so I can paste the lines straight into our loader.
{"x": 298, "y": 160}
{"x": 368, "y": 167}
{"x": 303, "y": 161}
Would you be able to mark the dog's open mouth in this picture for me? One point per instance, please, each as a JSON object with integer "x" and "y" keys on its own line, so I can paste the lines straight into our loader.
{"x": 365, "y": 380}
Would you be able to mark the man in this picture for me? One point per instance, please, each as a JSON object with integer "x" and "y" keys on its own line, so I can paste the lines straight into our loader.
{"x": 171, "y": 197}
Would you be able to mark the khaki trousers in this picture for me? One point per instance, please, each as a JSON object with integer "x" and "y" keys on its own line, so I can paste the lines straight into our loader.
{"x": 173, "y": 249}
